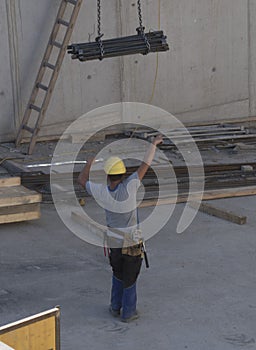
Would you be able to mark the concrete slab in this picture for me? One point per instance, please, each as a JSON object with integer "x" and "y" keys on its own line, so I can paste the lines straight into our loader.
{"x": 198, "y": 294}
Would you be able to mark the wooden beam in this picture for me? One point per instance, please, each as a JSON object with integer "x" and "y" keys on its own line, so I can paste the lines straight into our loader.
{"x": 221, "y": 213}
{"x": 9, "y": 181}
{"x": 20, "y": 213}
{"x": 207, "y": 195}
{"x": 17, "y": 195}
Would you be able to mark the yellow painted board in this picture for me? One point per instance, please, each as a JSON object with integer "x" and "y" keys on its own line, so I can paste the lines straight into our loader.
{"x": 17, "y": 195}
{"x": 19, "y": 213}
{"x": 36, "y": 336}
{"x": 39, "y": 332}
{"x": 9, "y": 181}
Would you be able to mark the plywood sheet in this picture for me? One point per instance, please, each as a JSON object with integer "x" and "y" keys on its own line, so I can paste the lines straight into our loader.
{"x": 37, "y": 332}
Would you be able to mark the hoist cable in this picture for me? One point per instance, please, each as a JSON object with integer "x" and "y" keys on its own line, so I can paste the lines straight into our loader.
{"x": 157, "y": 56}
{"x": 157, "y": 66}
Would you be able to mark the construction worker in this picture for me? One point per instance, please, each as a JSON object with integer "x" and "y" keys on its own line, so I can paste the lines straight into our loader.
{"x": 119, "y": 201}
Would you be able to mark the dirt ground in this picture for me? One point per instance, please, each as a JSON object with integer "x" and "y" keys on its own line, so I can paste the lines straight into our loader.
{"x": 198, "y": 294}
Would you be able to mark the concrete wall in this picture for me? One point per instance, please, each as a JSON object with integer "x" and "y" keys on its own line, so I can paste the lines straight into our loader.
{"x": 7, "y": 105}
{"x": 209, "y": 73}
{"x": 205, "y": 75}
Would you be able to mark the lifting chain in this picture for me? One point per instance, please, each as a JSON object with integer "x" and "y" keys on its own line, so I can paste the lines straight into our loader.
{"x": 141, "y": 28}
{"x": 98, "y": 39}
{"x": 140, "y": 15}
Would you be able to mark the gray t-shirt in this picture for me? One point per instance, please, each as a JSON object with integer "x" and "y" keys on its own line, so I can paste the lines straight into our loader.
{"x": 119, "y": 204}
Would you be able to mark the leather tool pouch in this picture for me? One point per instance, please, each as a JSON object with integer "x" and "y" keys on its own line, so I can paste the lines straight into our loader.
{"x": 132, "y": 245}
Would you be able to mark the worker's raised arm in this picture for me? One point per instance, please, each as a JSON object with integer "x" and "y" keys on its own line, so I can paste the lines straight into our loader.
{"x": 149, "y": 157}
{"x": 84, "y": 175}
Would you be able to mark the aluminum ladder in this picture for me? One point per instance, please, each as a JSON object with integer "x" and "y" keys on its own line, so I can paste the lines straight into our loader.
{"x": 62, "y": 27}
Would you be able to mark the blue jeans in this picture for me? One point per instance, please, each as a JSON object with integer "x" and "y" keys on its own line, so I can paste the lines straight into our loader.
{"x": 126, "y": 270}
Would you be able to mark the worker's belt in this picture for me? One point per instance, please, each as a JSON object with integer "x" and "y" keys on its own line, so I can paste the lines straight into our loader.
{"x": 128, "y": 240}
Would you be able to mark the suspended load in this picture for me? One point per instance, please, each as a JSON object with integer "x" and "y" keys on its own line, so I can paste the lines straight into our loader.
{"x": 129, "y": 45}
{"x": 142, "y": 43}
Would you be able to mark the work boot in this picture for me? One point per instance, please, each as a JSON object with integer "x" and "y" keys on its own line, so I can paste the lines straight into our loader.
{"x": 115, "y": 313}
{"x": 129, "y": 312}
{"x": 116, "y": 296}
{"x": 135, "y": 316}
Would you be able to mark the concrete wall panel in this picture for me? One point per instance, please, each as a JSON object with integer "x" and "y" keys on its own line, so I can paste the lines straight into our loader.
{"x": 85, "y": 86}
{"x": 6, "y": 92}
{"x": 208, "y": 61}
{"x": 80, "y": 86}
{"x": 252, "y": 55}
{"x": 209, "y": 73}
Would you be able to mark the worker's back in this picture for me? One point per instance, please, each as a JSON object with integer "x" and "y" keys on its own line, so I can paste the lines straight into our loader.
{"x": 119, "y": 203}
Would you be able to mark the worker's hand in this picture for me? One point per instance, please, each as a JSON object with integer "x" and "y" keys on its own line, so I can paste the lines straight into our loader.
{"x": 157, "y": 140}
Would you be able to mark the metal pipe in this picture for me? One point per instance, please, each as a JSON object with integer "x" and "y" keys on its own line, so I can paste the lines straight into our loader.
{"x": 129, "y": 45}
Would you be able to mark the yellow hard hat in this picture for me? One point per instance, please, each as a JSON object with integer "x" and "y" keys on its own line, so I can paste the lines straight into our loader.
{"x": 114, "y": 166}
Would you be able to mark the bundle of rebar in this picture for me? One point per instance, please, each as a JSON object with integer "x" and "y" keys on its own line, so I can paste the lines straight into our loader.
{"x": 130, "y": 45}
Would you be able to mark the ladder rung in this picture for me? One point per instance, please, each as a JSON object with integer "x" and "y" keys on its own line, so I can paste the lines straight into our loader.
{"x": 61, "y": 21}
{"x": 49, "y": 65}
{"x": 35, "y": 108}
{"x": 73, "y": 2}
{"x": 25, "y": 127}
{"x": 55, "y": 43}
{"x": 41, "y": 86}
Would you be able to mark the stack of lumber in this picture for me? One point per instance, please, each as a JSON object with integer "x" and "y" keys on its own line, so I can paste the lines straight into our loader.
{"x": 221, "y": 181}
{"x": 17, "y": 203}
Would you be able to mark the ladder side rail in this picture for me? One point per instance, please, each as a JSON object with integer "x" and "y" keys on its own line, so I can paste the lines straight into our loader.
{"x": 42, "y": 69}
{"x": 55, "y": 75}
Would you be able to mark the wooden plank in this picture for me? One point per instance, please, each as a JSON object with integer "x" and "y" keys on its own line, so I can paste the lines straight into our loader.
{"x": 210, "y": 194}
{"x": 221, "y": 213}
{"x": 17, "y": 195}
{"x": 9, "y": 181}
{"x": 44, "y": 138}
{"x": 230, "y": 192}
{"x": 20, "y": 213}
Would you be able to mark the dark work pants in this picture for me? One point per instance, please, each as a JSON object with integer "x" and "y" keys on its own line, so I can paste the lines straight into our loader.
{"x": 125, "y": 268}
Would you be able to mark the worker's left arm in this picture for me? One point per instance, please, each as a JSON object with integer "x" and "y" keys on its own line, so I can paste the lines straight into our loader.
{"x": 84, "y": 175}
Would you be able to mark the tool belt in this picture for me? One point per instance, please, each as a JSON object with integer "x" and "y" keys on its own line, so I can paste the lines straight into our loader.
{"x": 135, "y": 250}
{"x": 130, "y": 243}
